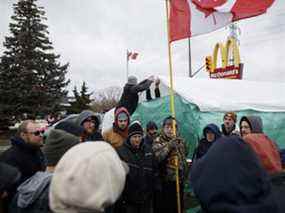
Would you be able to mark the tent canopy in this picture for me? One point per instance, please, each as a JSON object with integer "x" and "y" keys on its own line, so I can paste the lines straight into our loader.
{"x": 212, "y": 95}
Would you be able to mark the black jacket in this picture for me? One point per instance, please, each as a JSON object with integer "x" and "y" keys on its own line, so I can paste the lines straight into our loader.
{"x": 96, "y": 136}
{"x": 28, "y": 159}
{"x": 139, "y": 184}
{"x": 204, "y": 145}
{"x": 130, "y": 98}
{"x": 148, "y": 141}
{"x": 33, "y": 195}
{"x": 156, "y": 92}
{"x": 230, "y": 178}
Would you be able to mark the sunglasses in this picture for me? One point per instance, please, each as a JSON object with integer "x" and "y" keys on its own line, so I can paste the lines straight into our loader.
{"x": 37, "y": 133}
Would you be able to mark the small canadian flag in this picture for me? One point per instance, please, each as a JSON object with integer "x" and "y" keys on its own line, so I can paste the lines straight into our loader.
{"x": 132, "y": 55}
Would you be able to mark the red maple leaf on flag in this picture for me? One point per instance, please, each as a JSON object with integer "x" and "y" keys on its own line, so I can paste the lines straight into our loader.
{"x": 129, "y": 54}
{"x": 209, "y": 4}
{"x": 206, "y": 10}
{"x": 134, "y": 56}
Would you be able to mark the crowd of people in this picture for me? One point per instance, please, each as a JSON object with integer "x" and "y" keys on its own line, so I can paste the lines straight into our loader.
{"x": 73, "y": 167}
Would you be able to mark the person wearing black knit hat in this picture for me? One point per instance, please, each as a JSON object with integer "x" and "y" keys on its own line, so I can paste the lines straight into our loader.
{"x": 138, "y": 193}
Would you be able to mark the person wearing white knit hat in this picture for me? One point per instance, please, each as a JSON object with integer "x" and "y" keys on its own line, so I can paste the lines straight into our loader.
{"x": 89, "y": 178}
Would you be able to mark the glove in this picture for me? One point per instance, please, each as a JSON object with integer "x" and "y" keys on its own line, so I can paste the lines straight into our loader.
{"x": 172, "y": 144}
{"x": 157, "y": 82}
{"x": 151, "y": 78}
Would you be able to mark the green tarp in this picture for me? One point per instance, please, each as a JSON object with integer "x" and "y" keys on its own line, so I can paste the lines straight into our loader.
{"x": 191, "y": 120}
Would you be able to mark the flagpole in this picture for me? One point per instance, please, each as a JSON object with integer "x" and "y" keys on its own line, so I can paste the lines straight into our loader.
{"x": 172, "y": 105}
{"x": 190, "y": 58}
{"x": 171, "y": 93}
{"x": 127, "y": 59}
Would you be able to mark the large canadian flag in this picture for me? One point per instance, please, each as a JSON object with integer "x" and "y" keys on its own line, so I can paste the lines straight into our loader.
{"x": 194, "y": 17}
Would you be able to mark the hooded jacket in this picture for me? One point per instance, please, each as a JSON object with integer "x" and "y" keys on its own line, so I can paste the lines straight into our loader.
{"x": 33, "y": 195}
{"x": 96, "y": 136}
{"x": 262, "y": 145}
{"x": 255, "y": 123}
{"x": 231, "y": 179}
{"x": 165, "y": 155}
{"x": 205, "y": 145}
{"x": 130, "y": 98}
{"x": 116, "y": 136}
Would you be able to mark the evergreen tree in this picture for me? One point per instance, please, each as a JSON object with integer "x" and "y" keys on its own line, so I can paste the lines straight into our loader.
{"x": 32, "y": 81}
{"x": 82, "y": 100}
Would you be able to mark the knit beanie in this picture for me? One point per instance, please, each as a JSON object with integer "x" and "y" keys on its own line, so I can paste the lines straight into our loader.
{"x": 88, "y": 178}
{"x": 123, "y": 116}
{"x": 70, "y": 127}
{"x": 56, "y": 144}
{"x": 232, "y": 115}
{"x": 132, "y": 80}
{"x": 151, "y": 125}
{"x": 135, "y": 128}
{"x": 9, "y": 176}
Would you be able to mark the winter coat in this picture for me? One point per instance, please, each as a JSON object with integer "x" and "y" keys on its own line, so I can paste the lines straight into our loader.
{"x": 130, "y": 98}
{"x": 231, "y": 132}
{"x": 116, "y": 136}
{"x": 205, "y": 145}
{"x": 96, "y": 136}
{"x": 165, "y": 155}
{"x": 33, "y": 195}
{"x": 148, "y": 141}
{"x": 278, "y": 189}
{"x": 263, "y": 146}
{"x": 9, "y": 180}
{"x": 255, "y": 123}
{"x": 139, "y": 184}
{"x": 86, "y": 114}
{"x": 28, "y": 159}
{"x": 266, "y": 151}
{"x": 231, "y": 179}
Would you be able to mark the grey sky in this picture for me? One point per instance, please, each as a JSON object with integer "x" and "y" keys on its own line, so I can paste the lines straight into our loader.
{"x": 93, "y": 36}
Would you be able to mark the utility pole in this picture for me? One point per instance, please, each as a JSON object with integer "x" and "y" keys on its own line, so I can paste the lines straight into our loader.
{"x": 234, "y": 32}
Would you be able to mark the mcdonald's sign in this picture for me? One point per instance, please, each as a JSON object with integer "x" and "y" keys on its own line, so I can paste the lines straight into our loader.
{"x": 228, "y": 53}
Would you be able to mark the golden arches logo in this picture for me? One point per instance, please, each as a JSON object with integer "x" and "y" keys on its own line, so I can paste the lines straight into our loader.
{"x": 225, "y": 50}
{"x": 228, "y": 52}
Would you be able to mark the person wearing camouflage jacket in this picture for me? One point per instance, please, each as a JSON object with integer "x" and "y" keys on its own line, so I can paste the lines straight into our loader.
{"x": 167, "y": 148}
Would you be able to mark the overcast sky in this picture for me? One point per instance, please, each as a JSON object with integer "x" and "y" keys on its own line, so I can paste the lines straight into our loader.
{"x": 93, "y": 36}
